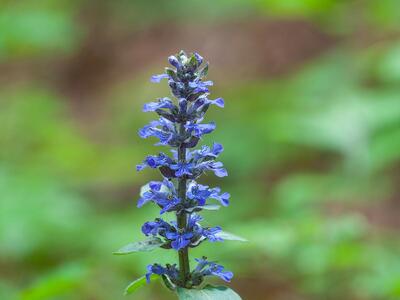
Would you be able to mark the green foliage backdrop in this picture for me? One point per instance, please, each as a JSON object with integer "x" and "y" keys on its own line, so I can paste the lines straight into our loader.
{"x": 314, "y": 177}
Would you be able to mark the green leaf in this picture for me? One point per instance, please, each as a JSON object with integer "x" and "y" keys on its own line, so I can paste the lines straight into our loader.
{"x": 55, "y": 284}
{"x": 210, "y": 207}
{"x": 204, "y": 207}
{"x": 209, "y": 292}
{"x": 171, "y": 73}
{"x": 134, "y": 285}
{"x": 229, "y": 236}
{"x": 193, "y": 61}
{"x": 146, "y": 245}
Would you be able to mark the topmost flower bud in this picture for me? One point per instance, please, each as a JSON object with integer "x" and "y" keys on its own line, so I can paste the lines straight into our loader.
{"x": 175, "y": 62}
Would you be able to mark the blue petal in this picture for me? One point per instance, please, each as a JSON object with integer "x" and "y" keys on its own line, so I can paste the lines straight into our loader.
{"x": 180, "y": 243}
{"x": 171, "y": 235}
{"x": 218, "y": 102}
{"x": 224, "y": 199}
{"x": 174, "y": 61}
{"x": 226, "y": 276}
{"x": 162, "y": 103}
{"x": 142, "y": 201}
{"x": 217, "y": 149}
{"x": 157, "y": 78}
{"x": 146, "y": 131}
{"x": 200, "y": 129}
{"x": 155, "y": 185}
{"x": 150, "y": 228}
{"x": 148, "y": 278}
{"x": 220, "y": 172}
{"x": 201, "y": 89}
{"x": 207, "y": 128}
{"x": 140, "y": 167}
{"x": 193, "y": 84}
{"x": 183, "y": 105}
{"x": 210, "y": 234}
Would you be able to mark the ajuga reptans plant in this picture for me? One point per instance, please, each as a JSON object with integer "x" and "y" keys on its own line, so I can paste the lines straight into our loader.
{"x": 181, "y": 127}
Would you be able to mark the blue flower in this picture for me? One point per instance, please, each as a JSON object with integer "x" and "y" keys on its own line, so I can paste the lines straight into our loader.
{"x": 198, "y": 192}
{"x": 170, "y": 270}
{"x": 201, "y": 193}
{"x": 201, "y": 105}
{"x": 215, "y": 166}
{"x": 211, "y": 234}
{"x": 153, "y": 194}
{"x": 168, "y": 204}
{"x": 222, "y": 198}
{"x": 200, "y": 86}
{"x": 207, "y": 268}
{"x": 155, "y": 161}
{"x": 162, "y": 103}
{"x": 218, "y": 102}
{"x": 150, "y": 130}
{"x": 175, "y": 62}
{"x": 163, "y": 194}
{"x": 157, "y": 227}
{"x": 197, "y": 109}
{"x": 163, "y": 129}
{"x": 218, "y": 270}
{"x": 179, "y": 240}
{"x": 206, "y": 152}
{"x": 158, "y": 78}
{"x": 200, "y": 233}
{"x": 199, "y": 129}
{"x": 154, "y": 269}
{"x": 150, "y": 228}
{"x": 194, "y": 220}
{"x": 182, "y": 169}
{"x": 201, "y": 264}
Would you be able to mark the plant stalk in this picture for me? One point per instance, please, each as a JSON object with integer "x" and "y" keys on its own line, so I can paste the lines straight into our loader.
{"x": 184, "y": 267}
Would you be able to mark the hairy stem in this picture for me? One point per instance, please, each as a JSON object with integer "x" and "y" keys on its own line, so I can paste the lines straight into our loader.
{"x": 184, "y": 267}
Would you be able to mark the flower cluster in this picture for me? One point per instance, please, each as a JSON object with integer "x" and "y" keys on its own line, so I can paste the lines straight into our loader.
{"x": 164, "y": 194}
{"x": 197, "y": 162}
{"x": 181, "y": 126}
{"x": 176, "y": 238}
{"x": 203, "y": 268}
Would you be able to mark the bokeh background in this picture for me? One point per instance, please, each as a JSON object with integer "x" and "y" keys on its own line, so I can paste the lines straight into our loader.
{"x": 311, "y": 131}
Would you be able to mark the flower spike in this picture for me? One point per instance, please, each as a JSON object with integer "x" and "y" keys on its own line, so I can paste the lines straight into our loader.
{"x": 180, "y": 126}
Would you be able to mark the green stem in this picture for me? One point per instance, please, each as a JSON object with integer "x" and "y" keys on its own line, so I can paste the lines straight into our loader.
{"x": 184, "y": 267}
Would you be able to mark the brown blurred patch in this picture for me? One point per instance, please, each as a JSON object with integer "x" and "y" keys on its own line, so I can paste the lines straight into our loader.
{"x": 266, "y": 288}
{"x": 109, "y": 52}
{"x": 237, "y": 50}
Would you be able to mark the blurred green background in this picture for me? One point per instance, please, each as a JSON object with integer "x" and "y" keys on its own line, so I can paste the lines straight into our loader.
{"x": 311, "y": 131}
